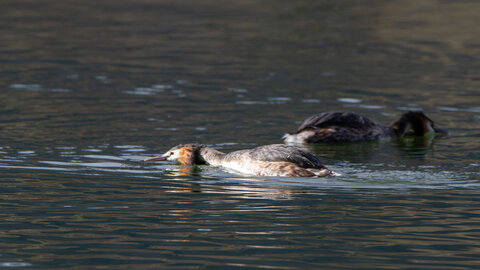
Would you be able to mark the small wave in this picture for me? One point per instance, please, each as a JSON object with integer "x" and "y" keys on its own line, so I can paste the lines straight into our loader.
{"x": 143, "y": 91}
{"x": 371, "y": 107}
{"x": 35, "y": 168}
{"x": 102, "y": 157}
{"x": 251, "y": 102}
{"x": 278, "y": 100}
{"x": 26, "y": 152}
{"x": 161, "y": 86}
{"x": 60, "y": 90}
{"x": 14, "y": 264}
{"x": 350, "y": 100}
{"x": 311, "y": 100}
{"x": 86, "y": 164}
{"x": 452, "y": 109}
{"x": 26, "y": 87}
{"x": 238, "y": 90}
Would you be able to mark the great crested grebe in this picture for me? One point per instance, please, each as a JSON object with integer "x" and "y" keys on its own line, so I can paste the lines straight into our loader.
{"x": 352, "y": 127}
{"x": 267, "y": 160}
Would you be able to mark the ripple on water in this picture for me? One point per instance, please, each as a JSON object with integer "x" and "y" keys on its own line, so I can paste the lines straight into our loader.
{"x": 34, "y": 168}
{"x": 166, "y": 129}
{"x": 15, "y": 264}
{"x": 156, "y": 120}
{"x": 179, "y": 93}
{"x": 65, "y": 147}
{"x": 278, "y": 100}
{"x": 238, "y": 90}
{"x": 311, "y": 100}
{"x": 350, "y": 100}
{"x": 92, "y": 150}
{"x": 371, "y": 107}
{"x": 474, "y": 109}
{"x": 181, "y": 82}
{"x": 72, "y": 77}
{"x": 428, "y": 177}
{"x": 26, "y": 152}
{"x": 270, "y": 100}
{"x": 251, "y": 102}
{"x": 144, "y": 91}
{"x": 26, "y": 87}
{"x": 86, "y": 164}
{"x": 162, "y": 86}
{"x": 409, "y": 108}
{"x": 127, "y": 146}
{"x": 37, "y": 87}
{"x": 103, "y": 157}
{"x": 130, "y": 148}
{"x": 60, "y": 90}
{"x": 152, "y": 90}
{"x": 452, "y": 109}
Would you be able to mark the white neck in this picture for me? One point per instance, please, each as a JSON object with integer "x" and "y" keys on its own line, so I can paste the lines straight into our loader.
{"x": 212, "y": 156}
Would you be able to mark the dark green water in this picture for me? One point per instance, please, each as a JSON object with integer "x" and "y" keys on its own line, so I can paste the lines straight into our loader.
{"x": 90, "y": 88}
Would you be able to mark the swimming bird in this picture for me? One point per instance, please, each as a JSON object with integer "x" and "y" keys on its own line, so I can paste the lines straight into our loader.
{"x": 267, "y": 160}
{"x": 339, "y": 126}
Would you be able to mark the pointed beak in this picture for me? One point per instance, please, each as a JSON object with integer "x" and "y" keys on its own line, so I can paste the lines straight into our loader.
{"x": 157, "y": 158}
{"x": 441, "y": 131}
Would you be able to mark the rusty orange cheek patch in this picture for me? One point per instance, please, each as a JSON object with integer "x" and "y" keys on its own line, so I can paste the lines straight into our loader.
{"x": 185, "y": 156}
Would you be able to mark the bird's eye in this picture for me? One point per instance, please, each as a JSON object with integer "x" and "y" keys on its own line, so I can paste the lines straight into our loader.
{"x": 171, "y": 153}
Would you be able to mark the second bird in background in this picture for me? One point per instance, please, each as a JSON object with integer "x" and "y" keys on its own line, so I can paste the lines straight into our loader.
{"x": 338, "y": 126}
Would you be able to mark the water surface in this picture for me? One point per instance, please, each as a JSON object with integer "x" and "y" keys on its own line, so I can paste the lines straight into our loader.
{"x": 89, "y": 89}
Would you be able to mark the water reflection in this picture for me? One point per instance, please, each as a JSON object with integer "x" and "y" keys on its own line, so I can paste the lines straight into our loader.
{"x": 373, "y": 152}
{"x": 414, "y": 147}
{"x": 237, "y": 186}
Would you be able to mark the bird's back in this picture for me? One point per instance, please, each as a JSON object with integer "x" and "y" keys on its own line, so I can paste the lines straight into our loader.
{"x": 336, "y": 127}
{"x": 276, "y": 153}
{"x": 339, "y": 119}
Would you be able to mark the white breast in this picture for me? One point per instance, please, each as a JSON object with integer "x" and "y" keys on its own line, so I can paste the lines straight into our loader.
{"x": 243, "y": 167}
